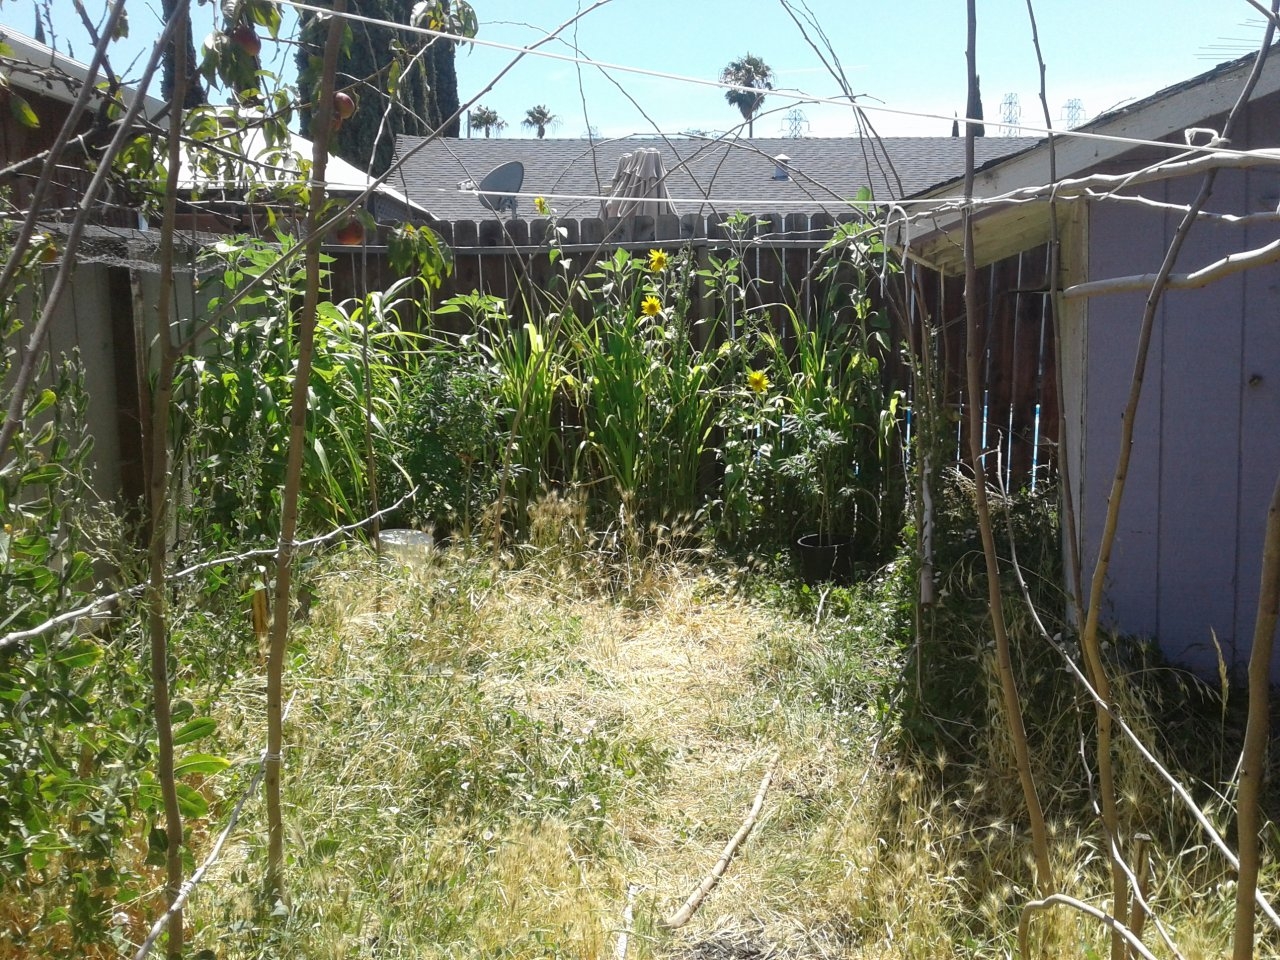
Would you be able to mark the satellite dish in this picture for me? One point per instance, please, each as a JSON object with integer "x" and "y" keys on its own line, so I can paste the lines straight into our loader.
{"x": 500, "y": 185}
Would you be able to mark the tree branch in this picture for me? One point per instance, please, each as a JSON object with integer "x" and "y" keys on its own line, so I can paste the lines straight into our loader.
{"x": 686, "y": 912}
{"x": 1118, "y": 929}
{"x": 1228, "y": 265}
{"x": 1253, "y": 756}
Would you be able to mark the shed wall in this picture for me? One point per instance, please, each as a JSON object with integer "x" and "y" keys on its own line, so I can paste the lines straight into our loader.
{"x": 1206, "y": 450}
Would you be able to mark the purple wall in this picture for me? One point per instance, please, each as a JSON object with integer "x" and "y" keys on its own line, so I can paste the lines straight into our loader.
{"x": 1206, "y": 450}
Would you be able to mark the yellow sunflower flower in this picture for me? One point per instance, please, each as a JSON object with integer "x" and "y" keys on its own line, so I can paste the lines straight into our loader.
{"x": 651, "y": 306}
{"x": 758, "y": 381}
{"x": 657, "y": 260}
{"x": 540, "y": 204}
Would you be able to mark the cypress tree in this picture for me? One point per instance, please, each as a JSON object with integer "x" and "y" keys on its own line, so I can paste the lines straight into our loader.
{"x": 426, "y": 88}
{"x": 195, "y": 95}
{"x": 445, "y": 86}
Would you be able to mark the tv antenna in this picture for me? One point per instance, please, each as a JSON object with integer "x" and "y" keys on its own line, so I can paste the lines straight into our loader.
{"x": 1010, "y": 114}
{"x": 796, "y": 124}
{"x": 1231, "y": 47}
{"x": 498, "y": 189}
{"x": 1073, "y": 112}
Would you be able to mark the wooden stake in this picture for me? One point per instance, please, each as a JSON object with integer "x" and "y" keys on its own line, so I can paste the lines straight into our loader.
{"x": 686, "y": 912}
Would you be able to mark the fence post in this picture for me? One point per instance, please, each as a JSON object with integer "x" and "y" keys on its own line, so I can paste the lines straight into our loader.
{"x": 796, "y": 266}
{"x": 642, "y": 229}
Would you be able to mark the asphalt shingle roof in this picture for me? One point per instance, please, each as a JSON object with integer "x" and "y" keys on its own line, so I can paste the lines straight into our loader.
{"x": 733, "y": 174}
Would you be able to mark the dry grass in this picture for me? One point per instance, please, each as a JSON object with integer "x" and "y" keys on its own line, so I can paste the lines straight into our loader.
{"x": 484, "y": 761}
{"x": 654, "y": 708}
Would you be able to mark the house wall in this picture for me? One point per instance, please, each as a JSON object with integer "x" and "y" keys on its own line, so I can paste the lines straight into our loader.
{"x": 69, "y": 179}
{"x": 1206, "y": 450}
{"x": 18, "y": 142}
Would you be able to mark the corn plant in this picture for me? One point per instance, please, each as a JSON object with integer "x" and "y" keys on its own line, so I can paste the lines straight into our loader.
{"x": 493, "y": 430}
{"x": 235, "y": 427}
{"x": 837, "y": 431}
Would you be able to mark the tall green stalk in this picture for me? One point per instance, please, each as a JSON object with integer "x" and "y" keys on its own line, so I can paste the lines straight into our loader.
{"x": 159, "y": 475}
{"x": 1008, "y": 685}
{"x": 275, "y": 885}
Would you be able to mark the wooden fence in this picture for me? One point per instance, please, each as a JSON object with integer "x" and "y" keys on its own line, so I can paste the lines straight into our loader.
{"x": 1017, "y": 362}
{"x": 781, "y": 258}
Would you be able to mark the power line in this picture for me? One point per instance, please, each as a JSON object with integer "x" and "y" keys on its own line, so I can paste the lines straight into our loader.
{"x": 788, "y": 93}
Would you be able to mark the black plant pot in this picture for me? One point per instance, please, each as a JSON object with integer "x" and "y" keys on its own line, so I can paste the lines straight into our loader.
{"x": 824, "y": 557}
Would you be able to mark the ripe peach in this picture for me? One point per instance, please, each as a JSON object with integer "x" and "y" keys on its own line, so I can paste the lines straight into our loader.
{"x": 247, "y": 39}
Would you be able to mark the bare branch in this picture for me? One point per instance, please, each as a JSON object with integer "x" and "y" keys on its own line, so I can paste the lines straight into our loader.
{"x": 1253, "y": 756}
{"x": 89, "y": 609}
{"x": 175, "y": 908}
{"x": 690, "y": 907}
{"x": 298, "y": 408}
{"x": 1219, "y": 269}
{"x": 40, "y": 330}
{"x": 1089, "y": 635}
{"x": 1070, "y": 530}
{"x": 1118, "y": 929}
{"x": 1012, "y": 702}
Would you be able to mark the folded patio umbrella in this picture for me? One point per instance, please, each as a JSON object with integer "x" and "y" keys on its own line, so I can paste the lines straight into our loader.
{"x": 639, "y": 187}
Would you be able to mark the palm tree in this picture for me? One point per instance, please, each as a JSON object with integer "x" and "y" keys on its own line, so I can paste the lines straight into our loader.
{"x": 750, "y": 72}
{"x": 486, "y": 119}
{"x": 539, "y": 118}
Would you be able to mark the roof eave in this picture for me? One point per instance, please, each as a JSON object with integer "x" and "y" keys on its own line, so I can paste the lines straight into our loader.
{"x": 39, "y": 55}
{"x": 998, "y": 230}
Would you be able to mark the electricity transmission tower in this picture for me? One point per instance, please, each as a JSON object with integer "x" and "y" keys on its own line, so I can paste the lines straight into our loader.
{"x": 1010, "y": 114}
{"x": 1073, "y": 113}
{"x": 795, "y": 124}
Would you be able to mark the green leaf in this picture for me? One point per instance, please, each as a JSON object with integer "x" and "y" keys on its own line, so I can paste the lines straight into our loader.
{"x": 191, "y": 803}
{"x": 44, "y": 434}
{"x": 194, "y": 730}
{"x": 83, "y": 654}
{"x": 157, "y": 844}
{"x": 318, "y": 446}
{"x": 393, "y": 79}
{"x": 79, "y": 568}
{"x": 49, "y": 473}
{"x": 42, "y": 403}
{"x": 22, "y": 111}
{"x": 34, "y": 579}
{"x": 149, "y": 795}
{"x": 205, "y": 763}
{"x": 32, "y": 546}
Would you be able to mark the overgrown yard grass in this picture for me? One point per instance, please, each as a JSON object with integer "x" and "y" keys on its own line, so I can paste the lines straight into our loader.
{"x": 500, "y": 763}
{"x": 545, "y": 762}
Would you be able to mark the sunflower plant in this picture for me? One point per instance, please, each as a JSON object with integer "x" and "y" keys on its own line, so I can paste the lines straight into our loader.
{"x": 749, "y": 416}
{"x": 646, "y": 390}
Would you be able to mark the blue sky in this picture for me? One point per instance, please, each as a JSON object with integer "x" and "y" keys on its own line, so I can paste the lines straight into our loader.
{"x": 907, "y": 55}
